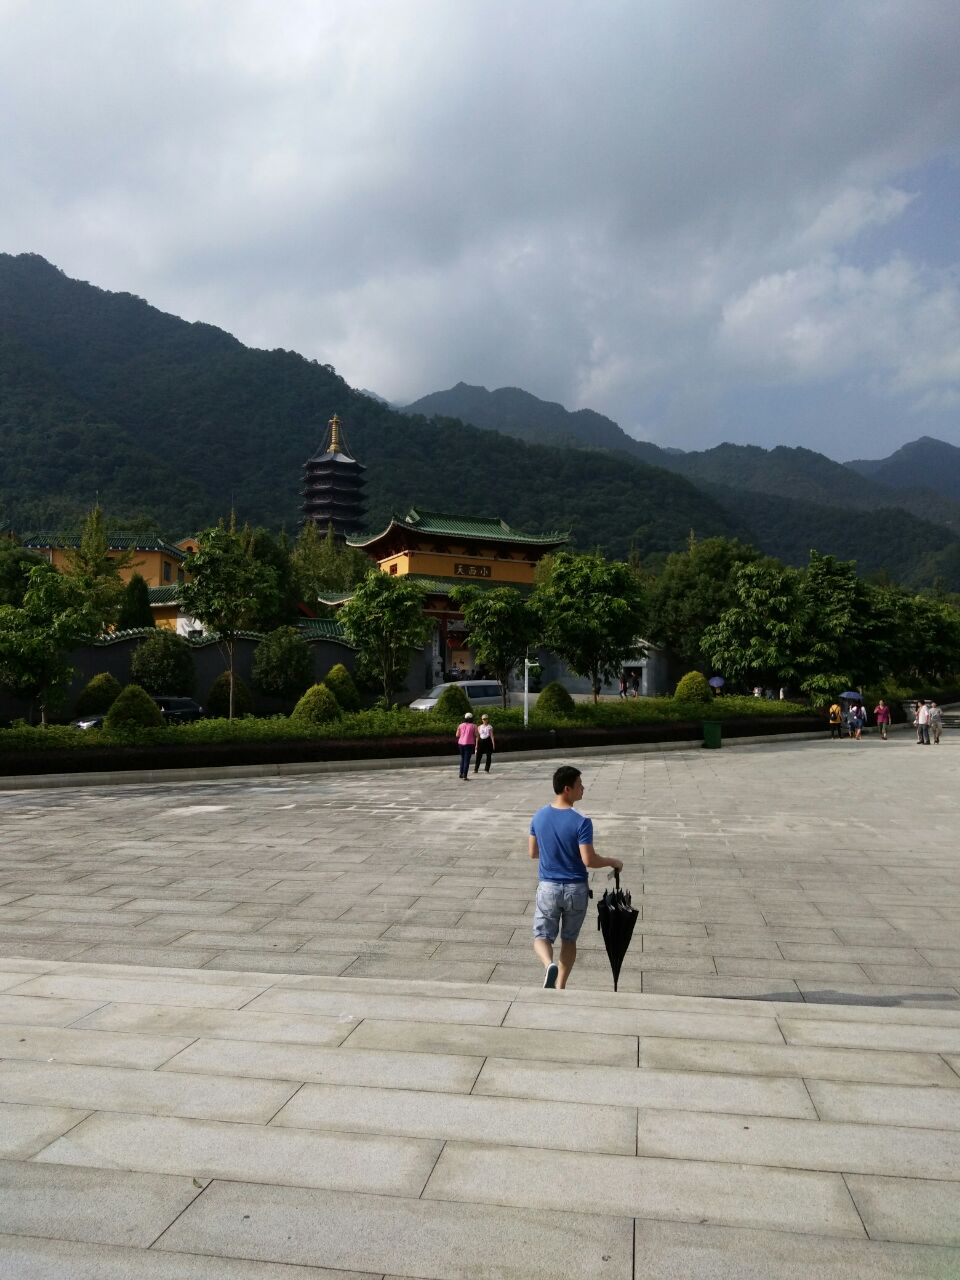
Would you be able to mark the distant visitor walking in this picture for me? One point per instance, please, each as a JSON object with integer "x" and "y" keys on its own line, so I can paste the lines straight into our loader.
{"x": 466, "y": 736}
{"x": 486, "y": 745}
{"x": 936, "y": 723}
{"x": 835, "y": 718}
{"x": 561, "y": 839}
{"x": 882, "y": 715}
{"x": 922, "y": 722}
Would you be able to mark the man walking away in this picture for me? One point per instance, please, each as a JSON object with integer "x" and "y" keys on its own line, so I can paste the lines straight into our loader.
{"x": 936, "y": 723}
{"x": 561, "y": 839}
{"x": 466, "y": 736}
{"x": 485, "y": 745}
{"x": 835, "y": 716}
{"x": 882, "y": 713}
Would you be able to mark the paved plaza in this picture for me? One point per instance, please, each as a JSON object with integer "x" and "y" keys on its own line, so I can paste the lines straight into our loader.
{"x": 281, "y": 1029}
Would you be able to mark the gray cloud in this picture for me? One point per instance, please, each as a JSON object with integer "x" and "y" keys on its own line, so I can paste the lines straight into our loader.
{"x": 651, "y": 209}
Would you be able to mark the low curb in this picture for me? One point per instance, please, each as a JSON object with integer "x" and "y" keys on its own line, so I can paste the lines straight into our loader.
{"x": 137, "y": 777}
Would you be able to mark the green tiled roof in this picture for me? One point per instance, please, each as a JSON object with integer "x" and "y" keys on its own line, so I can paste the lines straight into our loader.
{"x": 44, "y": 539}
{"x": 489, "y": 529}
{"x": 322, "y": 629}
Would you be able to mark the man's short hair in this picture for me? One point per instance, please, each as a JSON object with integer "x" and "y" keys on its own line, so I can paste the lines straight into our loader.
{"x": 565, "y": 776}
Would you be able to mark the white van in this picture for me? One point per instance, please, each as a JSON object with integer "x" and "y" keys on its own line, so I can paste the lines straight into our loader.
{"x": 481, "y": 693}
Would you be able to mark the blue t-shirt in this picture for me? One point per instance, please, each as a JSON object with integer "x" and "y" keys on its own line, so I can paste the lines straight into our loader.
{"x": 559, "y": 833}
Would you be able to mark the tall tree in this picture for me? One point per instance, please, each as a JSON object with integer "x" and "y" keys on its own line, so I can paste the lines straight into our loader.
{"x": 272, "y": 551}
{"x": 693, "y": 589}
{"x": 98, "y": 569}
{"x": 323, "y": 564}
{"x": 135, "y": 611}
{"x": 15, "y": 565}
{"x": 384, "y": 619}
{"x": 226, "y": 588}
{"x": 593, "y": 614}
{"x": 501, "y": 627}
{"x": 35, "y": 637}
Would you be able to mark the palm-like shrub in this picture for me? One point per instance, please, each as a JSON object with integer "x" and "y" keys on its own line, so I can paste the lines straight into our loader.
{"x": 317, "y": 706}
{"x": 99, "y": 695}
{"x": 453, "y": 703}
{"x": 693, "y": 687}
{"x": 218, "y": 699}
{"x": 163, "y": 664}
{"x": 554, "y": 703}
{"x": 340, "y": 683}
{"x": 133, "y": 709}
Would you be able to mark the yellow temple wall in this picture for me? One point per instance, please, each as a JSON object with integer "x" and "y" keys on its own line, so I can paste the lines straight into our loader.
{"x": 435, "y": 564}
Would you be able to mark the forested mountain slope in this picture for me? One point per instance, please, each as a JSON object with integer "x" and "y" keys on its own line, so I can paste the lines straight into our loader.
{"x": 924, "y": 463}
{"x": 102, "y": 393}
{"x": 526, "y": 417}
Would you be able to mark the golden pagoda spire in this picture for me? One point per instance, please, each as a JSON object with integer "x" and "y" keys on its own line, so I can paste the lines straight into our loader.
{"x": 334, "y": 425}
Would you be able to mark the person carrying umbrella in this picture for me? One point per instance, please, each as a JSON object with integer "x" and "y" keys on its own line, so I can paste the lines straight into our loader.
{"x": 561, "y": 841}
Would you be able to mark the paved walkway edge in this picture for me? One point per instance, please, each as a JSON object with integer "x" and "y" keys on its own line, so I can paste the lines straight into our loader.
{"x": 111, "y": 778}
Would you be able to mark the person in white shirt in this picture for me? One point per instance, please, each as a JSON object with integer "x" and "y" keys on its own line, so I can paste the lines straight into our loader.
{"x": 486, "y": 744}
{"x": 923, "y": 725}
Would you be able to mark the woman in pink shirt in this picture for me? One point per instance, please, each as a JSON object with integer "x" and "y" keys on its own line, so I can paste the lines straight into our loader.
{"x": 882, "y": 713}
{"x": 466, "y": 736}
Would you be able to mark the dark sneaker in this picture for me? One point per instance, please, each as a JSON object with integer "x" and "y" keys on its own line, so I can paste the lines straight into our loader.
{"x": 550, "y": 979}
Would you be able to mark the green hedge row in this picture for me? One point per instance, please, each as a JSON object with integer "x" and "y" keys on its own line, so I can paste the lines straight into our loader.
{"x": 399, "y": 722}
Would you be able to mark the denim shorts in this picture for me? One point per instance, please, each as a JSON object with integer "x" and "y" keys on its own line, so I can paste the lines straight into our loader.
{"x": 561, "y": 908}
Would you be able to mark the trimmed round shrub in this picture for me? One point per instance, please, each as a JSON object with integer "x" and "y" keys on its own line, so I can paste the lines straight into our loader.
{"x": 693, "y": 687}
{"x": 554, "y": 703}
{"x": 218, "y": 699}
{"x": 452, "y": 703}
{"x": 340, "y": 683}
{"x": 133, "y": 709}
{"x": 282, "y": 664}
{"x": 99, "y": 695}
{"x": 317, "y": 706}
{"x": 163, "y": 664}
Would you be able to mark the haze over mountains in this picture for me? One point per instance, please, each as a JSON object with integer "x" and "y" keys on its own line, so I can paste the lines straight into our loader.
{"x": 100, "y": 393}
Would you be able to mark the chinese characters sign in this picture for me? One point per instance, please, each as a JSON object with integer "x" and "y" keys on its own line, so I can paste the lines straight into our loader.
{"x": 471, "y": 570}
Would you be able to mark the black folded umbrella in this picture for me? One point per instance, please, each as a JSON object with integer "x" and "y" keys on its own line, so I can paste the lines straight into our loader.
{"x": 615, "y": 920}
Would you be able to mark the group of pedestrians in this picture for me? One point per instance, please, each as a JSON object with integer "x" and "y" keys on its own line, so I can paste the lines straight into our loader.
{"x": 852, "y": 720}
{"x": 928, "y": 721}
{"x": 470, "y": 736}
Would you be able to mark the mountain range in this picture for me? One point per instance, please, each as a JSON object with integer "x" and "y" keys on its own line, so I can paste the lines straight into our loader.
{"x": 103, "y": 396}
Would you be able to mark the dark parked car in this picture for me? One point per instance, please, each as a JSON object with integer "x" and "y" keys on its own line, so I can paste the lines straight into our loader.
{"x": 179, "y": 710}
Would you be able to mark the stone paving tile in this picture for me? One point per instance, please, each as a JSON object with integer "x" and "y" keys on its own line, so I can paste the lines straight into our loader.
{"x": 229, "y": 1024}
{"x": 93, "y": 1048}
{"x": 34, "y": 1011}
{"x": 874, "y": 1067}
{"x": 140, "y": 991}
{"x": 94, "y": 1205}
{"x": 907, "y": 1209}
{"x": 402, "y": 1237}
{"x": 145, "y": 1092}
{"x": 685, "y": 1190}
{"x": 501, "y": 1042}
{"x": 30, "y": 1258}
{"x": 444, "y": 1073}
{"x": 682, "y": 1251}
{"x": 579, "y": 1126}
{"x": 871, "y": 1035}
{"x": 371, "y": 1004}
{"x": 638, "y": 1022}
{"x": 429, "y": 970}
{"x": 247, "y": 1153}
{"x": 886, "y": 1104}
{"x": 800, "y": 1144}
{"x": 626, "y": 1086}
{"x": 25, "y": 1130}
{"x": 724, "y": 988}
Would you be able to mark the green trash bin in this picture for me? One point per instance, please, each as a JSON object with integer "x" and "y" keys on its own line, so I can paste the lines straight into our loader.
{"x": 711, "y": 734}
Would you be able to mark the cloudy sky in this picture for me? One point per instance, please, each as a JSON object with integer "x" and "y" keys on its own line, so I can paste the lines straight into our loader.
{"x": 710, "y": 219}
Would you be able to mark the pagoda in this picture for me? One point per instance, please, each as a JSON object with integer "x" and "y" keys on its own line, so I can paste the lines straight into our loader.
{"x": 333, "y": 485}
